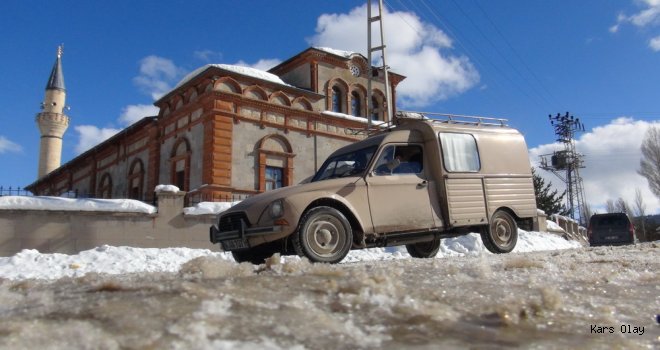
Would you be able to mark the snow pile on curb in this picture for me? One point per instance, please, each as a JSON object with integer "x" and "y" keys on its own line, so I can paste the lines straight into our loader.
{"x": 71, "y": 204}
{"x": 29, "y": 264}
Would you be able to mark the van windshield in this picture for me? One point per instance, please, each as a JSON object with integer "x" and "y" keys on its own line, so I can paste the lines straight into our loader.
{"x": 347, "y": 164}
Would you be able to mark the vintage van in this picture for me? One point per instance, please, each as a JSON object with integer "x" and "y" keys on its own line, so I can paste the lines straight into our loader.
{"x": 411, "y": 184}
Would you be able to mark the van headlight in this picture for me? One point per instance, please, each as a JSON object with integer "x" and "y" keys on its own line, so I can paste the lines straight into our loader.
{"x": 276, "y": 209}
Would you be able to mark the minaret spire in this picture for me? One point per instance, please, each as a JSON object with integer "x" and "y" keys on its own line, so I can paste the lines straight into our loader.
{"x": 52, "y": 121}
{"x": 56, "y": 80}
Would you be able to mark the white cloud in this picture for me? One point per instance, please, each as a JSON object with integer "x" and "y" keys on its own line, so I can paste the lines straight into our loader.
{"x": 157, "y": 75}
{"x": 612, "y": 154}
{"x": 648, "y": 16}
{"x": 654, "y": 43}
{"x": 208, "y": 55}
{"x": 414, "y": 48}
{"x": 132, "y": 113}
{"x": 8, "y": 146}
{"x": 90, "y": 136}
{"x": 263, "y": 64}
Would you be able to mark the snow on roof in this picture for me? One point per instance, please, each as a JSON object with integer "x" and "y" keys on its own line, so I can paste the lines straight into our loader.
{"x": 70, "y": 204}
{"x": 351, "y": 117}
{"x": 166, "y": 188}
{"x": 342, "y": 53}
{"x": 247, "y": 71}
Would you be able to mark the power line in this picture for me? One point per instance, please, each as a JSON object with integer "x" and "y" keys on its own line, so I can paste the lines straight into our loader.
{"x": 515, "y": 52}
{"x": 476, "y": 54}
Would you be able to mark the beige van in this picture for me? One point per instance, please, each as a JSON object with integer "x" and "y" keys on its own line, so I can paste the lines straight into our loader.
{"x": 412, "y": 184}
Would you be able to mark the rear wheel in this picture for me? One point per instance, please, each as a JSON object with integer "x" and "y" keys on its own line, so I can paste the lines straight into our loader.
{"x": 424, "y": 249}
{"x": 501, "y": 235}
{"x": 324, "y": 235}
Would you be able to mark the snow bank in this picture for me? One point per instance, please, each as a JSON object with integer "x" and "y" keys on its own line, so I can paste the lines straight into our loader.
{"x": 29, "y": 264}
{"x": 209, "y": 208}
{"x": 71, "y": 204}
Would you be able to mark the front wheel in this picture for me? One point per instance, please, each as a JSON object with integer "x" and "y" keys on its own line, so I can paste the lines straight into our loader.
{"x": 258, "y": 255}
{"x": 501, "y": 235}
{"x": 424, "y": 249}
{"x": 324, "y": 235}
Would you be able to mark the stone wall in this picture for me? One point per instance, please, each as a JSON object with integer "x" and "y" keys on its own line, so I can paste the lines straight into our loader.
{"x": 70, "y": 232}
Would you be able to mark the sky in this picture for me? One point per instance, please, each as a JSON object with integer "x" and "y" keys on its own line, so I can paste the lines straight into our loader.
{"x": 520, "y": 60}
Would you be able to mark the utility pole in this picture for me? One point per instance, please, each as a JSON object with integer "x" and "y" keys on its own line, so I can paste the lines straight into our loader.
{"x": 384, "y": 68}
{"x": 565, "y": 164}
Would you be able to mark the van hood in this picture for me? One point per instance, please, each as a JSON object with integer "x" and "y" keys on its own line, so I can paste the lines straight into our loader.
{"x": 269, "y": 196}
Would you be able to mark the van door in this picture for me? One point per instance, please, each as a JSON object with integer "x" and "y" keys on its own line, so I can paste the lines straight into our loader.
{"x": 399, "y": 191}
{"x": 463, "y": 182}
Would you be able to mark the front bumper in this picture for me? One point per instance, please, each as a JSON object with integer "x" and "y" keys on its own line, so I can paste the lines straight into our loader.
{"x": 238, "y": 237}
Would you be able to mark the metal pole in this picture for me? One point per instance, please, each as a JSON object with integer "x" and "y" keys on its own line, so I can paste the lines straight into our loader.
{"x": 388, "y": 92}
{"x": 370, "y": 107}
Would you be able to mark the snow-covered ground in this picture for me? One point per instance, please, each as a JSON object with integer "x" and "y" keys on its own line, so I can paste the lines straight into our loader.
{"x": 548, "y": 293}
{"x": 585, "y": 298}
{"x": 118, "y": 260}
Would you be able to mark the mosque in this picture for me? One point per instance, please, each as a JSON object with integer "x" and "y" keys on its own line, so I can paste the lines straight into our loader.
{"x": 223, "y": 131}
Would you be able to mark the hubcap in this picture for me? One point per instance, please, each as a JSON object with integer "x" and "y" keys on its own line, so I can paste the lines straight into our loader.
{"x": 325, "y": 235}
{"x": 502, "y": 231}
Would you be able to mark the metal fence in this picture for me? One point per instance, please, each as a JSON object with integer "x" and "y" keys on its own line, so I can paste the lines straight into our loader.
{"x": 14, "y": 191}
{"x": 210, "y": 197}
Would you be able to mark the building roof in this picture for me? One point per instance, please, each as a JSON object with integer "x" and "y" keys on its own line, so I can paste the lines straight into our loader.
{"x": 137, "y": 126}
{"x": 248, "y": 71}
{"x": 56, "y": 79}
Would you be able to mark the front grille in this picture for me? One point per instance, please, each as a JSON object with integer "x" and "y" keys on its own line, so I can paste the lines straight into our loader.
{"x": 232, "y": 222}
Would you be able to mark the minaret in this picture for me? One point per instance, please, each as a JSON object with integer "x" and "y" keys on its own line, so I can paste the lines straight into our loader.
{"x": 52, "y": 121}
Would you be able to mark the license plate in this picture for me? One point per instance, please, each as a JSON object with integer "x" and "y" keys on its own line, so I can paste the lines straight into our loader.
{"x": 234, "y": 244}
{"x": 611, "y": 237}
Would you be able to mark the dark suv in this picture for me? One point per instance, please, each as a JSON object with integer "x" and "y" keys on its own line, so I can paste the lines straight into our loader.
{"x": 611, "y": 229}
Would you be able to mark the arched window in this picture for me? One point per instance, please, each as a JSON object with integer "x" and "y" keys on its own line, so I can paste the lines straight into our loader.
{"x": 356, "y": 106}
{"x": 275, "y": 163}
{"x": 375, "y": 108}
{"x": 135, "y": 180}
{"x": 336, "y": 99}
{"x": 105, "y": 187}
{"x": 180, "y": 162}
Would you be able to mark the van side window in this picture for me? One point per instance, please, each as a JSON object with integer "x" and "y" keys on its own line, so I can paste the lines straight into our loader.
{"x": 400, "y": 159}
{"x": 459, "y": 152}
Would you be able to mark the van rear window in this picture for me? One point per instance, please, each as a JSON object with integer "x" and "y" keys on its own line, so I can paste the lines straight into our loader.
{"x": 459, "y": 152}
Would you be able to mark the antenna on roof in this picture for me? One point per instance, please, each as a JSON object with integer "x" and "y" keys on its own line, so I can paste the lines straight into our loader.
{"x": 60, "y": 50}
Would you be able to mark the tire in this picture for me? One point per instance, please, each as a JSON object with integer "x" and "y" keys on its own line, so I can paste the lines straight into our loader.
{"x": 324, "y": 235}
{"x": 424, "y": 250}
{"x": 501, "y": 235}
{"x": 257, "y": 255}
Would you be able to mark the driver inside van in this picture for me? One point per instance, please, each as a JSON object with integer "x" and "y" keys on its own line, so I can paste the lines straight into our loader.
{"x": 400, "y": 160}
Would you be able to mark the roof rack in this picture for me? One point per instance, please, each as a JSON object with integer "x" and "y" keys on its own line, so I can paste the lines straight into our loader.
{"x": 452, "y": 118}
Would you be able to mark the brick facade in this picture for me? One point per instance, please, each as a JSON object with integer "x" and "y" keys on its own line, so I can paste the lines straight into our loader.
{"x": 218, "y": 131}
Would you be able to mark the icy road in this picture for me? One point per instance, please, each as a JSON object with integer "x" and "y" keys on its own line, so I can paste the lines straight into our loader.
{"x": 575, "y": 298}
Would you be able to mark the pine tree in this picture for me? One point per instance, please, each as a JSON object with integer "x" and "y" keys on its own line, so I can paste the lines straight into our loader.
{"x": 548, "y": 199}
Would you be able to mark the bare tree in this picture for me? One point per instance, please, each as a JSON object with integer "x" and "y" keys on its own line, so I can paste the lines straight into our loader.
{"x": 622, "y": 206}
{"x": 586, "y": 211}
{"x": 610, "y": 207}
{"x": 640, "y": 213}
{"x": 650, "y": 162}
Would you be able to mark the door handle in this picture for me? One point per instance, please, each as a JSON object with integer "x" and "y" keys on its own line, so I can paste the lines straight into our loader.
{"x": 422, "y": 184}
